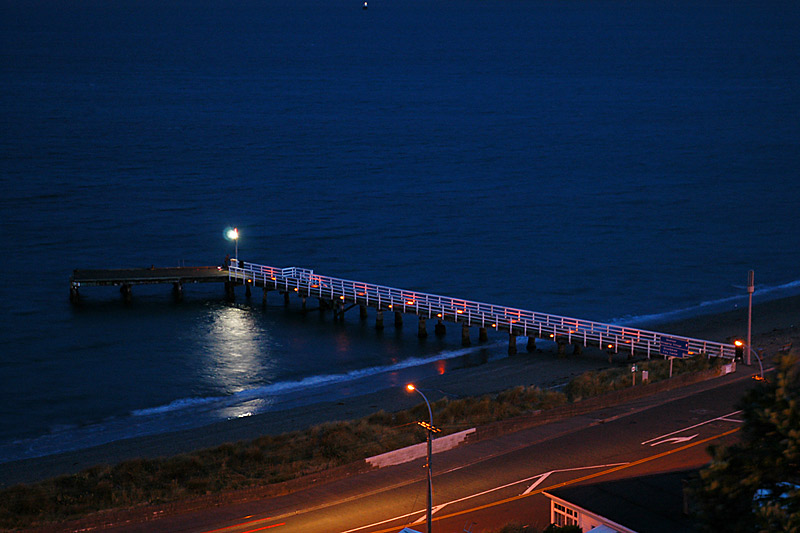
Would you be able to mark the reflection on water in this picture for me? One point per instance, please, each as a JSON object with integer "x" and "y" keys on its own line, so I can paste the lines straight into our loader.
{"x": 238, "y": 354}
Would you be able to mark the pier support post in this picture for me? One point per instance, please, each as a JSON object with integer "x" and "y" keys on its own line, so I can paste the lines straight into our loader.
{"x": 398, "y": 319}
{"x": 531, "y": 347}
{"x": 286, "y": 299}
{"x": 74, "y": 295}
{"x": 177, "y": 291}
{"x": 483, "y": 336}
{"x": 422, "y": 330}
{"x": 230, "y": 293}
{"x": 379, "y": 320}
{"x": 247, "y": 290}
{"x": 362, "y": 312}
{"x": 561, "y": 342}
{"x": 439, "y": 329}
{"x": 303, "y": 303}
{"x": 340, "y": 305}
{"x": 512, "y": 344}
{"x": 577, "y": 348}
{"x": 465, "y": 335}
{"x": 264, "y": 296}
{"x": 126, "y": 292}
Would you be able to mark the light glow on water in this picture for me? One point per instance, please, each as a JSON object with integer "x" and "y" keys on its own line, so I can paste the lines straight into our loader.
{"x": 238, "y": 352}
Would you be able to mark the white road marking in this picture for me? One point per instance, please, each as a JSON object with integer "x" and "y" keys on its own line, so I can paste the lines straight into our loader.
{"x": 424, "y": 517}
{"x": 675, "y": 440}
{"x": 544, "y": 476}
{"x": 538, "y": 482}
{"x": 723, "y": 418}
{"x": 538, "y": 477}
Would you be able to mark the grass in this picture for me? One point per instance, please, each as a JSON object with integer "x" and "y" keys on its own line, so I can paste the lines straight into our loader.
{"x": 276, "y": 458}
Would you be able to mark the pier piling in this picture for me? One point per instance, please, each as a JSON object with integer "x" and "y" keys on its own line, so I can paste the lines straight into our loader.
{"x": 126, "y": 292}
{"x": 422, "y": 330}
{"x": 531, "y": 347}
{"x": 465, "y": 335}
{"x": 177, "y": 291}
{"x": 561, "y": 343}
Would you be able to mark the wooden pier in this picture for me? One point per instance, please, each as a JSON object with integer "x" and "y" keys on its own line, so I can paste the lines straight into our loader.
{"x": 339, "y": 296}
{"x": 125, "y": 278}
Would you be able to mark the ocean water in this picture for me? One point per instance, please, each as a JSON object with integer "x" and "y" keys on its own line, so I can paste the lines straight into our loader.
{"x": 610, "y": 160}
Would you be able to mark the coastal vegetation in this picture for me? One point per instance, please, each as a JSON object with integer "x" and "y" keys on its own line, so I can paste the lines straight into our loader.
{"x": 273, "y": 459}
{"x": 754, "y": 485}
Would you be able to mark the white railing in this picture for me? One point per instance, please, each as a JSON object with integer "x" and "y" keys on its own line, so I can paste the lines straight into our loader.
{"x": 516, "y": 321}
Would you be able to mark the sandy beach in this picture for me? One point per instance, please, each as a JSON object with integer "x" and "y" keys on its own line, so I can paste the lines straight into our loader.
{"x": 775, "y": 325}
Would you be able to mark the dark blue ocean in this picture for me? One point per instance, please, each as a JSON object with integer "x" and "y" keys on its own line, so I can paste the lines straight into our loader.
{"x": 611, "y": 160}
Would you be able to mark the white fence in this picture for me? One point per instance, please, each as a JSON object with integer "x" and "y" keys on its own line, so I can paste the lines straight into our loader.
{"x": 516, "y": 321}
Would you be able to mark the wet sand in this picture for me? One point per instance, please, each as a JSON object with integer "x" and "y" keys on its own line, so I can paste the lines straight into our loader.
{"x": 775, "y": 325}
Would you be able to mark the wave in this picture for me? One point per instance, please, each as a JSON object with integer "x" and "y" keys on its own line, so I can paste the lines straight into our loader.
{"x": 187, "y": 413}
{"x": 306, "y": 385}
{"x": 761, "y": 294}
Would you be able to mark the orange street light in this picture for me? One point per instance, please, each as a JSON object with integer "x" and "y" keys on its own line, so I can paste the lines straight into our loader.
{"x": 411, "y": 388}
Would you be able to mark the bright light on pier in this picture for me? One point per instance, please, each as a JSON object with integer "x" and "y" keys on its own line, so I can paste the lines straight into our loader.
{"x": 233, "y": 234}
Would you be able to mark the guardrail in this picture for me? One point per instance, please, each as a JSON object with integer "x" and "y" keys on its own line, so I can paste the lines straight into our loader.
{"x": 515, "y": 321}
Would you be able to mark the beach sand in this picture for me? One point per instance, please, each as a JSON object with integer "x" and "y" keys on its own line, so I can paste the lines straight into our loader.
{"x": 775, "y": 325}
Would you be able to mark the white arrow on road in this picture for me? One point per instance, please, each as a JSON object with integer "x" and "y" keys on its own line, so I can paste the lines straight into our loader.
{"x": 675, "y": 440}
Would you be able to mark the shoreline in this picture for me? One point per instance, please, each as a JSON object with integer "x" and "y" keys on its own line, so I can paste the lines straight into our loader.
{"x": 775, "y": 324}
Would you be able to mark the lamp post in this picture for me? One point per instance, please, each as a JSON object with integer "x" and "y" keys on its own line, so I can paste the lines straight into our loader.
{"x": 233, "y": 234}
{"x": 431, "y": 429}
{"x": 750, "y": 289}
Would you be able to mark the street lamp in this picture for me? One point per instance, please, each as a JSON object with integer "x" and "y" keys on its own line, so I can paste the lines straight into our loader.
{"x": 233, "y": 234}
{"x": 431, "y": 429}
{"x": 750, "y": 289}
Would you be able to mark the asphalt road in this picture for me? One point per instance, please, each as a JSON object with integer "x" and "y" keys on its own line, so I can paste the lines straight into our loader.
{"x": 481, "y": 487}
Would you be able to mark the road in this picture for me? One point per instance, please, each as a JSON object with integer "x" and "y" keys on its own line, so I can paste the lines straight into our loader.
{"x": 485, "y": 485}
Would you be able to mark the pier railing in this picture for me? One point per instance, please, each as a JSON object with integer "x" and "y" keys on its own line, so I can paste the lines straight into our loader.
{"x": 515, "y": 321}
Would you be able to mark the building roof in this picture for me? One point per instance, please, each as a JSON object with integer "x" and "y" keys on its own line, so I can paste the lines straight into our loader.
{"x": 647, "y": 504}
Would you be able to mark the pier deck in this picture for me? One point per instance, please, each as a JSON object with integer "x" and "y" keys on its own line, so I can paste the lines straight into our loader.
{"x": 124, "y": 278}
{"x": 140, "y": 276}
{"x": 339, "y": 295}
